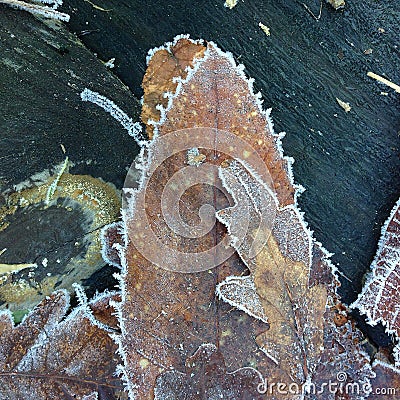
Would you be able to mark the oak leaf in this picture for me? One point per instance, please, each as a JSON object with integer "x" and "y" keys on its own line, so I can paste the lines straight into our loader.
{"x": 50, "y": 356}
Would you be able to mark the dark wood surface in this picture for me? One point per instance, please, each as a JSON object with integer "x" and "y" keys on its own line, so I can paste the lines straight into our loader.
{"x": 348, "y": 162}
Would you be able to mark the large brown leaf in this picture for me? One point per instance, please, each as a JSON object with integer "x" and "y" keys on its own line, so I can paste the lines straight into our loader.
{"x": 214, "y": 145}
{"x": 380, "y": 300}
{"x": 48, "y": 357}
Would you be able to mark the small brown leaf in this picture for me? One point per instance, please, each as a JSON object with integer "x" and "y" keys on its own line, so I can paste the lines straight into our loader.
{"x": 386, "y": 384}
{"x": 167, "y": 64}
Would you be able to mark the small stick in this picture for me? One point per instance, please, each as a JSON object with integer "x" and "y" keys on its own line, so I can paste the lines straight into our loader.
{"x": 385, "y": 81}
{"x": 98, "y": 7}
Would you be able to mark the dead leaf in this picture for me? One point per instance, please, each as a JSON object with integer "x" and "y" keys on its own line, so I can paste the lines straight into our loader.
{"x": 171, "y": 326}
{"x": 174, "y": 253}
{"x": 280, "y": 285}
{"x": 205, "y": 377}
{"x": 386, "y": 383}
{"x": 48, "y": 357}
{"x": 379, "y": 299}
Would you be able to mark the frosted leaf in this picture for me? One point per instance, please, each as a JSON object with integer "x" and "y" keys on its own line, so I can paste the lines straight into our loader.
{"x": 290, "y": 279}
{"x": 206, "y": 377}
{"x": 379, "y": 299}
{"x": 48, "y": 357}
{"x": 169, "y": 316}
{"x": 241, "y": 293}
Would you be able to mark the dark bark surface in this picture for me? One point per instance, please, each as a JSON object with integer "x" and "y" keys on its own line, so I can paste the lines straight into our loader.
{"x": 348, "y": 162}
{"x": 43, "y": 70}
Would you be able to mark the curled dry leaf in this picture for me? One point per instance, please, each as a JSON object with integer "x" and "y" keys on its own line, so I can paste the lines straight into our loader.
{"x": 287, "y": 324}
{"x": 48, "y": 357}
{"x": 379, "y": 299}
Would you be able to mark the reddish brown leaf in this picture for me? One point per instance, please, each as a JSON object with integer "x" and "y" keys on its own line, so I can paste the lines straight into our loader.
{"x": 214, "y": 145}
{"x": 111, "y": 242}
{"x": 380, "y": 300}
{"x": 46, "y": 357}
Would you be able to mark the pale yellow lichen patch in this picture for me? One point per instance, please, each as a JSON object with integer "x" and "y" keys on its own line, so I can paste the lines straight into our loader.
{"x": 346, "y": 106}
{"x": 265, "y": 29}
{"x": 16, "y": 293}
{"x": 97, "y": 200}
{"x": 5, "y": 268}
{"x": 230, "y": 3}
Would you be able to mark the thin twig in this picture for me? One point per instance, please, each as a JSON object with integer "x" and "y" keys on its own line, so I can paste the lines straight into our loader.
{"x": 311, "y": 13}
{"x": 45, "y": 11}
